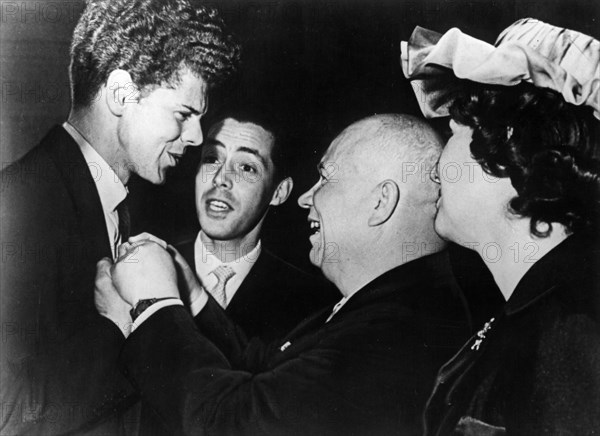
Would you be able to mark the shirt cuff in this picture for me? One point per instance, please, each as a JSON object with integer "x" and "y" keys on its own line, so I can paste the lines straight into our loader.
{"x": 198, "y": 304}
{"x": 153, "y": 309}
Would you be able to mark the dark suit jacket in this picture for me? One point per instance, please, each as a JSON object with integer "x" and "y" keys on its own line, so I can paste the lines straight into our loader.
{"x": 537, "y": 369}
{"x": 367, "y": 371}
{"x": 58, "y": 355}
{"x": 274, "y": 297}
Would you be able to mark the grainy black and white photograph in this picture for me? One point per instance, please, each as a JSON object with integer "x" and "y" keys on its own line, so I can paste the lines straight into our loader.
{"x": 300, "y": 217}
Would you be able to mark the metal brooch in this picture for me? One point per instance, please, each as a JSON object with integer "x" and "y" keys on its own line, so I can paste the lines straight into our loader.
{"x": 481, "y": 334}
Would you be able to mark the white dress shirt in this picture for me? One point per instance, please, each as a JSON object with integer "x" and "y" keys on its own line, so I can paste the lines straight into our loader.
{"x": 110, "y": 188}
{"x": 205, "y": 263}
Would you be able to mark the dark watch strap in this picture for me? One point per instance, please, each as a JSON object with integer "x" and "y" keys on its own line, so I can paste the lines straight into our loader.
{"x": 145, "y": 304}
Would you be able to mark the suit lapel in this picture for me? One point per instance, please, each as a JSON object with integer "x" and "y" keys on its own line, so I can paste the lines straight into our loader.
{"x": 252, "y": 292}
{"x": 402, "y": 283}
{"x": 311, "y": 329}
{"x": 302, "y": 337}
{"x": 187, "y": 250}
{"x": 313, "y": 323}
{"x": 317, "y": 322}
{"x": 64, "y": 152}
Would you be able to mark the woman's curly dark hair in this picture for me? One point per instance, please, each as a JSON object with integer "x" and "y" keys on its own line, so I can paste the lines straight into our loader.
{"x": 151, "y": 39}
{"x": 546, "y": 146}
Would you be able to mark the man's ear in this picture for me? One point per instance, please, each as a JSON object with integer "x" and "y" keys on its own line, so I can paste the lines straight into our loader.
{"x": 283, "y": 191}
{"x": 120, "y": 90}
{"x": 387, "y": 196}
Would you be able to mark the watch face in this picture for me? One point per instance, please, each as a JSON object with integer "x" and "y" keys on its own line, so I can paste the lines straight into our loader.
{"x": 142, "y": 305}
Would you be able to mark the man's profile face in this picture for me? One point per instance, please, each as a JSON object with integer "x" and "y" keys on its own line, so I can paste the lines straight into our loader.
{"x": 235, "y": 181}
{"x": 334, "y": 204}
{"x": 154, "y": 131}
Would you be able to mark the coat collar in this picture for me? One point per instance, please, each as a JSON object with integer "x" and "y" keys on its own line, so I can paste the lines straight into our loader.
{"x": 570, "y": 262}
{"x": 186, "y": 249}
{"x": 404, "y": 280}
{"x": 404, "y": 284}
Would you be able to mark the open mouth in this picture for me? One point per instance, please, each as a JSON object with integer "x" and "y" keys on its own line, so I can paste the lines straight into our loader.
{"x": 315, "y": 227}
{"x": 175, "y": 158}
{"x": 218, "y": 206}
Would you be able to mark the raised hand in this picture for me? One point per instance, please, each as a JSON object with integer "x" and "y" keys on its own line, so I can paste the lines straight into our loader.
{"x": 190, "y": 287}
{"x": 144, "y": 270}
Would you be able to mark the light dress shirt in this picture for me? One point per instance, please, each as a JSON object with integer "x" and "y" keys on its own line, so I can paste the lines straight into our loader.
{"x": 205, "y": 262}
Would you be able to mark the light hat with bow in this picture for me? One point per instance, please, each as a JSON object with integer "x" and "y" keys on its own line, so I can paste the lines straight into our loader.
{"x": 527, "y": 51}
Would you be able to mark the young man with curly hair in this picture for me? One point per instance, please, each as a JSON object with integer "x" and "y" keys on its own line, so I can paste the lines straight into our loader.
{"x": 140, "y": 72}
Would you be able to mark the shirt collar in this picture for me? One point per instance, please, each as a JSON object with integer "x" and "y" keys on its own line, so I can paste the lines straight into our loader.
{"x": 206, "y": 261}
{"x": 110, "y": 188}
{"x": 338, "y": 306}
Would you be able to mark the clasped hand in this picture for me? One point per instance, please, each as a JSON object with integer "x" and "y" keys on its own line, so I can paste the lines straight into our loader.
{"x": 146, "y": 268}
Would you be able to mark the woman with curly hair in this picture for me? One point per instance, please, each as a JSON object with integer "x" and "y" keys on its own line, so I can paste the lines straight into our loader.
{"x": 519, "y": 183}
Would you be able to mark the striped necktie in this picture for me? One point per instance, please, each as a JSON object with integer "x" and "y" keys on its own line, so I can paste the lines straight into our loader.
{"x": 223, "y": 274}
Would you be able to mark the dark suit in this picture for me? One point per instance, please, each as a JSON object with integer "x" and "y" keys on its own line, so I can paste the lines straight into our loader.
{"x": 367, "y": 371}
{"x": 537, "y": 369}
{"x": 274, "y": 297}
{"x": 58, "y": 355}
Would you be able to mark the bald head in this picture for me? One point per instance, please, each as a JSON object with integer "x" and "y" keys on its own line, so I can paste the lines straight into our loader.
{"x": 396, "y": 146}
{"x": 375, "y": 201}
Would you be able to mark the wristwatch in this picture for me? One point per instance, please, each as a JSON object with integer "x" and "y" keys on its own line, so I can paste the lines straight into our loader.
{"x": 145, "y": 304}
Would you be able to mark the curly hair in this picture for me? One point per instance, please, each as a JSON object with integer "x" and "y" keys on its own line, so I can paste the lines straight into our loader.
{"x": 152, "y": 40}
{"x": 546, "y": 146}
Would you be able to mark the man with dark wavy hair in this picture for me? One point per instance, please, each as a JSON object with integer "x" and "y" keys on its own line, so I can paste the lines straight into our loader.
{"x": 140, "y": 73}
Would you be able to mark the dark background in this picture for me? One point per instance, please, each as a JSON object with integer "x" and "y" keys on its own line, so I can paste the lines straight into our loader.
{"x": 324, "y": 64}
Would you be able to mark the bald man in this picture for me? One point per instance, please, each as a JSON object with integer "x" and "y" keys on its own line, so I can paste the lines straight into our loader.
{"x": 364, "y": 366}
